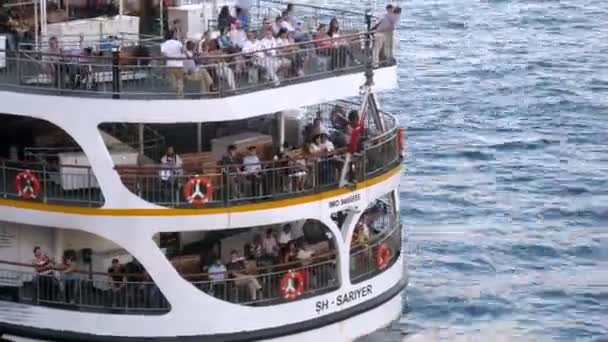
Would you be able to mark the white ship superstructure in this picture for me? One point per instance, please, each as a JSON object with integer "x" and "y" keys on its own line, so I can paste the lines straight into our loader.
{"x": 138, "y": 202}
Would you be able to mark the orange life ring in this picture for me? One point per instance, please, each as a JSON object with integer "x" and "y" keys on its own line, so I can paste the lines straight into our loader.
{"x": 287, "y": 287}
{"x": 383, "y": 256}
{"x": 194, "y": 194}
{"x": 400, "y": 136}
{"x": 27, "y": 185}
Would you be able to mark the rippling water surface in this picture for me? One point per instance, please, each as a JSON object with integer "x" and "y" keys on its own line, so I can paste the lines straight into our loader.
{"x": 506, "y": 192}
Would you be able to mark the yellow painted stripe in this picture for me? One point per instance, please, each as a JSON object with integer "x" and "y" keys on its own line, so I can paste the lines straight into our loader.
{"x": 203, "y": 211}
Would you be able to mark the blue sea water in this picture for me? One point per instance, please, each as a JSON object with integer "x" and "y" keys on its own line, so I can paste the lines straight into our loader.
{"x": 505, "y": 197}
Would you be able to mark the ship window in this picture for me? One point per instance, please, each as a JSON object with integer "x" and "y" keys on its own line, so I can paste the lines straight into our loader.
{"x": 40, "y": 162}
{"x": 73, "y": 270}
{"x": 263, "y": 265}
{"x": 376, "y": 240}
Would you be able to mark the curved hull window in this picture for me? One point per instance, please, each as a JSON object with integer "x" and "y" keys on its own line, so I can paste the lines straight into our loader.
{"x": 257, "y": 266}
{"x": 73, "y": 270}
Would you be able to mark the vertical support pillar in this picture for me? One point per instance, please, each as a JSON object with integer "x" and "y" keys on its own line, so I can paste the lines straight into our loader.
{"x": 116, "y": 81}
{"x": 58, "y": 244}
{"x": 281, "y": 124}
{"x": 369, "y": 63}
{"x": 36, "y": 23}
{"x": 141, "y": 140}
{"x": 162, "y": 19}
{"x": 199, "y": 136}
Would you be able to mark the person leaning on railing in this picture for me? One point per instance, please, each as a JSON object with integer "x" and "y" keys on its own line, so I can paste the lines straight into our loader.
{"x": 47, "y": 286}
{"x": 384, "y": 32}
{"x": 118, "y": 283}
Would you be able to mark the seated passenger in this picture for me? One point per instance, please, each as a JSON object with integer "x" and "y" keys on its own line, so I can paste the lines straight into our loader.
{"x": 305, "y": 254}
{"x": 266, "y": 25}
{"x": 291, "y": 255}
{"x": 225, "y": 43}
{"x": 271, "y": 63}
{"x": 322, "y": 41}
{"x": 237, "y": 269}
{"x": 281, "y": 23}
{"x": 284, "y": 239}
{"x": 218, "y": 67}
{"x": 237, "y": 35}
{"x": 270, "y": 244}
{"x": 194, "y": 72}
{"x": 217, "y": 275}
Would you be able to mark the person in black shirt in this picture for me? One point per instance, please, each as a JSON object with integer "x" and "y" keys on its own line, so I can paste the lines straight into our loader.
{"x": 118, "y": 282}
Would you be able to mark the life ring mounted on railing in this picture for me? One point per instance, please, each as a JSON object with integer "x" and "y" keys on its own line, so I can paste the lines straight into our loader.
{"x": 289, "y": 290}
{"x": 198, "y": 190}
{"x": 27, "y": 185}
{"x": 383, "y": 256}
{"x": 400, "y": 137}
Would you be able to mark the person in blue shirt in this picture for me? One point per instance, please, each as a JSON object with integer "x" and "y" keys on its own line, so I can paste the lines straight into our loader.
{"x": 242, "y": 17}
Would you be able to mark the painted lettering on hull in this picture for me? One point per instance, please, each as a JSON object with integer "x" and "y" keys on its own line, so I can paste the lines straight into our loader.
{"x": 344, "y": 201}
{"x": 343, "y": 299}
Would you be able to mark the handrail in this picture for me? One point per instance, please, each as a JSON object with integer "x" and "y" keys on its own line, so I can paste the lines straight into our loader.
{"x": 224, "y": 56}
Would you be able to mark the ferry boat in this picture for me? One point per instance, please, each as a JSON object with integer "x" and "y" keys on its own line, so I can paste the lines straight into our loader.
{"x": 138, "y": 202}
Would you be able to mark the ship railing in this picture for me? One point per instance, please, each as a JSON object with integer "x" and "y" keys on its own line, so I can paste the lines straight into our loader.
{"x": 364, "y": 263}
{"x": 296, "y": 175}
{"x": 310, "y": 15}
{"x": 226, "y": 185}
{"x": 318, "y": 274}
{"x": 324, "y": 111}
{"x": 58, "y": 184}
{"x": 125, "y": 76}
{"x": 80, "y": 291}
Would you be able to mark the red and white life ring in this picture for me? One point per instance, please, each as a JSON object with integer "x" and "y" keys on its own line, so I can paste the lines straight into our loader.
{"x": 27, "y": 185}
{"x": 383, "y": 256}
{"x": 400, "y": 137}
{"x": 289, "y": 290}
{"x": 198, "y": 190}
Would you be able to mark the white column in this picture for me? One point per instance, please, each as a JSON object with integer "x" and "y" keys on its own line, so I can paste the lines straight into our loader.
{"x": 36, "y": 23}
{"x": 281, "y": 119}
{"x": 121, "y": 8}
{"x": 141, "y": 141}
{"x": 43, "y": 17}
{"x": 199, "y": 136}
{"x": 58, "y": 244}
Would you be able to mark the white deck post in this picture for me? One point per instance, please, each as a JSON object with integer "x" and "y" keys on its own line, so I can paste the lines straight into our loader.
{"x": 58, "y": 244}
{"x": 36, "y": 23}
{"x": 281, "y": 117}
{"x": 199, "y": 136}
{"x": 141, "y": 141}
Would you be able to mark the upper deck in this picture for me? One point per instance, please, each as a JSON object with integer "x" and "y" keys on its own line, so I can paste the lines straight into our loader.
{"x": 313, "y": 68}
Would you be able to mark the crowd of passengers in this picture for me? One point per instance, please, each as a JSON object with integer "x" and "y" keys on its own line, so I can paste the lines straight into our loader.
{"x": 277, "y": 50}
{"x": 268, "y": 253}
{"x": 127, "y": 285}
{"x": 318, "y": 163}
